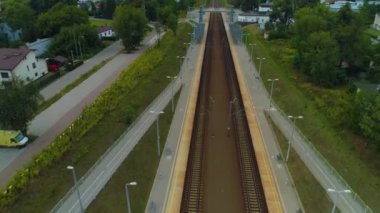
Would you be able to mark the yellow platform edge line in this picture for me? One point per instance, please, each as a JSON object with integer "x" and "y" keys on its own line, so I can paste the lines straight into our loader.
{"x": 178, "y": 181}
{"x": 267, "y": 179}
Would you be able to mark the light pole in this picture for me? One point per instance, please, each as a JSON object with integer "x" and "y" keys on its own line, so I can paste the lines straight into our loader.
{"x": 260, "y": 65}
{"x": 246, "y": 37}
{"x": 291, "y": 137}
{"x": 134, "y": 183}
{"x": 250, "y": 44}
{"x": 76, "y": 187}
{"x": 271, "y": 91}
{"x": 180, "y": 61}
{"x": 230, "y": 112}
{"x": 337, "y": 196}
{"x": 158, "y": 129}
{"x": 172, "y": 78}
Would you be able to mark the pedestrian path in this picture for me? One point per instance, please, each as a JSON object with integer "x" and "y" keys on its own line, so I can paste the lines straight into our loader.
{"x": 52, "y": 121}
{"x": 95, "y": 179}
{"x": 319, "y": 167}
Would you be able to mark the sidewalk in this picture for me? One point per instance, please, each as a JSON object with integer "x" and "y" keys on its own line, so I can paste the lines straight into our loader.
{"x": 49, "y": 123}
{"x": 315, "y": 162}
{"x": 95, "y": 179}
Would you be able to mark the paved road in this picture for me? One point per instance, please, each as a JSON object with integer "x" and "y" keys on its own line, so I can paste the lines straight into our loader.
{"x": 95, "y": 179}
{"x": 57, "y": 86}
{"x": 315, "y": 162}
{"x": 49, "y": 123}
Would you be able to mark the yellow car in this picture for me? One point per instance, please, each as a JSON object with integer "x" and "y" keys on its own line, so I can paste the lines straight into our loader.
{"x": 10, "y": 138}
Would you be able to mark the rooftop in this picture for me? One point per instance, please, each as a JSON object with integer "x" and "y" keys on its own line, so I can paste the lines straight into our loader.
{"x": 11, "y": 57}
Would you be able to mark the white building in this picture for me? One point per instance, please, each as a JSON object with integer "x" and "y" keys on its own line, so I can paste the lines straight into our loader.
{"x": 22, "y": 63}
{"x": 105, "y": 32}
{"x": 376, "y": 22}
{"x": 258, "y": 18}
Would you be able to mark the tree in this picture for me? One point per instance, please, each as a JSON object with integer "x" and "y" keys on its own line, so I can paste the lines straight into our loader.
{"x": 129, "y": 24}
{"x": 61, "y": 15}
{"x": 353, "y": 42}
{"x": 44, "y": 5}
{"x": 17, "y": 13}
{"x": 18, "y": 104}
{"x": 109, "y": 8}
{"x": 81, "y": 37}
{"x": 369, "y": 123}
{"x": 172, "y": 23}
{"x": 321, "y": 58}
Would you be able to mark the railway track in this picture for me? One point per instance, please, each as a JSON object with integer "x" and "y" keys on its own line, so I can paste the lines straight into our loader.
{"x": 222, "y": 173}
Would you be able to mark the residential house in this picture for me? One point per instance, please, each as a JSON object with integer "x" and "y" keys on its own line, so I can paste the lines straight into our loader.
{"x": 40, "y": 46}
{"x": 105, "y": 32}
{"x": 376, "y": 22}
{"x": 22, "y": 63}
{"x": 260, "y": 18}
{"x": 9, "y": 33}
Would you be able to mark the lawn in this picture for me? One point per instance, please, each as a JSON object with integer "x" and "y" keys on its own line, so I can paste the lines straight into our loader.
{"x": 141, "y": 166}
{"x": 345, "y": 151}
{"x": 312, "y": 195}
{"x": 100, "y": 22}
{"x": 47, "y": 189}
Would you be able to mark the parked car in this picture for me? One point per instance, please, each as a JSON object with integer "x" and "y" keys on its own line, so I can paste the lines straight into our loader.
{"x": 9, "y": 138}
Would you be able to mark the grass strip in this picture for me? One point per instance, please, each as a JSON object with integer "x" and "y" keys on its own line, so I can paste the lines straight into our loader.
{"x": 141, "y": 166}
{"x": 311, "y": 193}
{"x": 343, "y": 150}
{"x": 52, "y": 184}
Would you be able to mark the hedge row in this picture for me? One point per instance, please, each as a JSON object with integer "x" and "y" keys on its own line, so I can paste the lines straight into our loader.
{"x": 89, "y": 117}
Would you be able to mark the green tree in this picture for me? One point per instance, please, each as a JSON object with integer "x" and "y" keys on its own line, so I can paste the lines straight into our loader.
{"x": 44, "y": 5}
{"x": 71, "y": 39}
{"x": 18, "y": 104}
{"x": 61, "y": 15}
{"x": 370, "y": 121}
{"x": 321, "y": 58}
{"x": 109, "y": 8}
{"x": 17, "y": 13}
{"x": 354, "y": 44}
{"x": 129, "y": 24}
{"x": 172, "y": 23}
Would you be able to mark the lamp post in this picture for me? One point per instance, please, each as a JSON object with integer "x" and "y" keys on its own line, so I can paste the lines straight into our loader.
{"x": 291, "y": 137}
{"x": 260, "y": 65}
{"x": 337, "y": 196}
{"x": 76, "y": 187}
{"x": 134, "y": 183}
{"x": 250, "y": 44}
{"x": 271, "y": 91}
{"x": 172, "y": 78}
{"x": 158, "y": 129}
{"x": 180, "y": 61}
{"x": 230, "y": 112}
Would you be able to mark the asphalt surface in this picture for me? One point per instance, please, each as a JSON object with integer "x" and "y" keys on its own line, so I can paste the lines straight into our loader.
{"x": 49, "y": 123}
{"x": 95, "y": 179}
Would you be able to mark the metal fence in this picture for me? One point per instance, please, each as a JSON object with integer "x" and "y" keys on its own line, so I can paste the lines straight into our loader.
{"x": 332, "y": 170}
{"x": 237, "y": 33}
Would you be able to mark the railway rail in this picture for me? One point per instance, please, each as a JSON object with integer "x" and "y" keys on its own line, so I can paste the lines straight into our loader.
{"x": 221, "y": 131}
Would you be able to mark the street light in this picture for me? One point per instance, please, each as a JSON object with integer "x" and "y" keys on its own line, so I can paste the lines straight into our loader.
{"x": 271, "y": 91}
{"x": 134, "y": 183}
{"x": 230, "y": 112}
{"x": 291, "y": 138}
{"x": 260, "y": 65}
{"x": 172, "y": 78}
{"x": 337, "y": 196}
{"x": 250, "y": 44}
{"x": 76, "y": 187}
{"x": 246, "y": 37}
{"x": 158, "y": 129}
{"x": 180, "y": 61}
